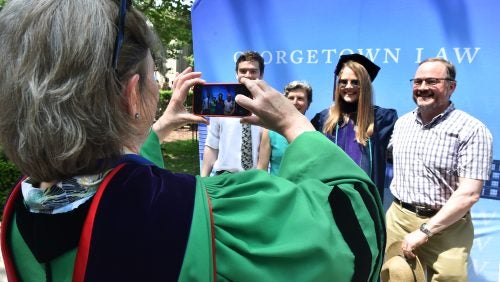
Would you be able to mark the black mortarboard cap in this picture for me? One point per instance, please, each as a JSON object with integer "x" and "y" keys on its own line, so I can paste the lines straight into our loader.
{"x": 370, "y": 67}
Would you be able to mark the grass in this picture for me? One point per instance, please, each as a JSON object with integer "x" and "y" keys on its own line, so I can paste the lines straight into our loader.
{"x": 181, "y": 156}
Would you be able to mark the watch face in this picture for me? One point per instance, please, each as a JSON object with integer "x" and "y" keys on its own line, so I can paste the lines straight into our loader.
{"x": 424, "y": 229}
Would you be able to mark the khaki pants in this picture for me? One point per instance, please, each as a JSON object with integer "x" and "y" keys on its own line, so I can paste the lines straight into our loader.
{"x": 445, "y": 255}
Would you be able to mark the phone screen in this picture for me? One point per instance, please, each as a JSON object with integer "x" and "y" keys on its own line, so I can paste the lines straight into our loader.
{"x": 217, "y": 99}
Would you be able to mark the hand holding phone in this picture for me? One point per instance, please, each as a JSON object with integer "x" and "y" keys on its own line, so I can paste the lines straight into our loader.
{"x": 217, "y": 99}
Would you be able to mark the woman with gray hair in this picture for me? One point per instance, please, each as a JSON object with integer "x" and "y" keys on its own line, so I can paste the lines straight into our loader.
{"x": 273, "y": 145}
{"x": 77, "y": 102}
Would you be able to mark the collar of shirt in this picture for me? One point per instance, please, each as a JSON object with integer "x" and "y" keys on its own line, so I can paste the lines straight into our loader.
{"x": 435, "y": 120}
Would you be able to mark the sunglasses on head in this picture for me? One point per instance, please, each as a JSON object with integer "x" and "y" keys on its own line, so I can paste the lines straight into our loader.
{"x": 123, "y": 7}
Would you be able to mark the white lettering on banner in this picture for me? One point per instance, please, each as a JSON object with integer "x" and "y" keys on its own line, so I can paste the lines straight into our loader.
{"x": 479, "y": 265}
{"x": 484, "y": 218}
{"x": 328, "y": 54}
{"x": 312, "y": 56}
{"x": 296, "y": 57}
{"x": 419, "y": 55}
{"x": 324, "y": 56}
{"x": 394, "y": 57}
{"x": 236, "y": 55}
{"x": 482, "y": 243}
{"x": 280, "y": 57}
{"x": 459, "y": 53}
{"x": 267, "y": 54}
{"x": 369, "y": 53}
{"x": 382, "y": 55}
{"x": 466, "y": 52}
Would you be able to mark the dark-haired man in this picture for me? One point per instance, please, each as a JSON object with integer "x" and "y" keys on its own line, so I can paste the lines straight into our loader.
{"x": 223, "y": 146}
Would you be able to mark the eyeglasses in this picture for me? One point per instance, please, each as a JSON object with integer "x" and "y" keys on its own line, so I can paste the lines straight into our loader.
{"x": 124, "y": 6}
{"x": 431, "y": 81}
{"x": 354, "y": 83}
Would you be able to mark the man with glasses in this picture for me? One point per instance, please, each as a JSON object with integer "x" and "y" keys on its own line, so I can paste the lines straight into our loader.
{"x": 441, "y": 157}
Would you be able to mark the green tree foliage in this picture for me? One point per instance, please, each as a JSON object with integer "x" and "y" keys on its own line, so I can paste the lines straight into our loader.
{"x": 172, "y": 21}
{"x": 9, "y": 175}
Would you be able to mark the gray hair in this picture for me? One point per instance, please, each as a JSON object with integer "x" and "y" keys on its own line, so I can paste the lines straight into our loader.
{"x": 450, "y": 68}
{"x": 62, "y": 111}
{"x": 300, "y": 85}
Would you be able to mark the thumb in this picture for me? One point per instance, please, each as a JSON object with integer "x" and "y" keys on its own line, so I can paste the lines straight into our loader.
{"x": 244, "y": 101}
{"x": 253, "y": 119}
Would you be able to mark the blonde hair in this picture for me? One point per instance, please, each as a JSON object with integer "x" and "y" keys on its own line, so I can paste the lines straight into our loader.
{"x": 364, "y": 116}
{"x": 300, "y": 85}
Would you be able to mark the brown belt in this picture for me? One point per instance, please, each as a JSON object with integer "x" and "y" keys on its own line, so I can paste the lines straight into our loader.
{"x": 418, "y": 210}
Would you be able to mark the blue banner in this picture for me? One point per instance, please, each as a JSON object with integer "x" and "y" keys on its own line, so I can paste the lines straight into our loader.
{"x": 302, "y": 40}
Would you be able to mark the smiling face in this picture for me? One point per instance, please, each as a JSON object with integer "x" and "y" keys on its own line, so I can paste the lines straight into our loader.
{"x": 432, "y": 99}
{"x": 348, "y": 85}
{"x": 248, "y": 69}
{"x": 298, "y": 98}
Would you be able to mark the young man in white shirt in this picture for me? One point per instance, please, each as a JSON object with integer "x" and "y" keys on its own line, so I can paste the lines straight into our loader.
{"x": 222, "y": 151}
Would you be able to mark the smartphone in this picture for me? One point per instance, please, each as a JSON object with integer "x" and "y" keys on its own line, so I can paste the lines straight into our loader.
{"x": 217, "y": 99}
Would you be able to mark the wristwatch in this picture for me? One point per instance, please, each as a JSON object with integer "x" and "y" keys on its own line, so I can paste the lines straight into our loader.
{"x": 425, "y": 230}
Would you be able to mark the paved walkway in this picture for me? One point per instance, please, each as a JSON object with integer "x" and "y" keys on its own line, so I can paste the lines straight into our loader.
{"x": 183, "y": 133}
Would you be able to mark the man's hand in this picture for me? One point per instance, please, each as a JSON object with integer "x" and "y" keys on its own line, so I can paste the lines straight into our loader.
{"x": 412, "y": 241}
